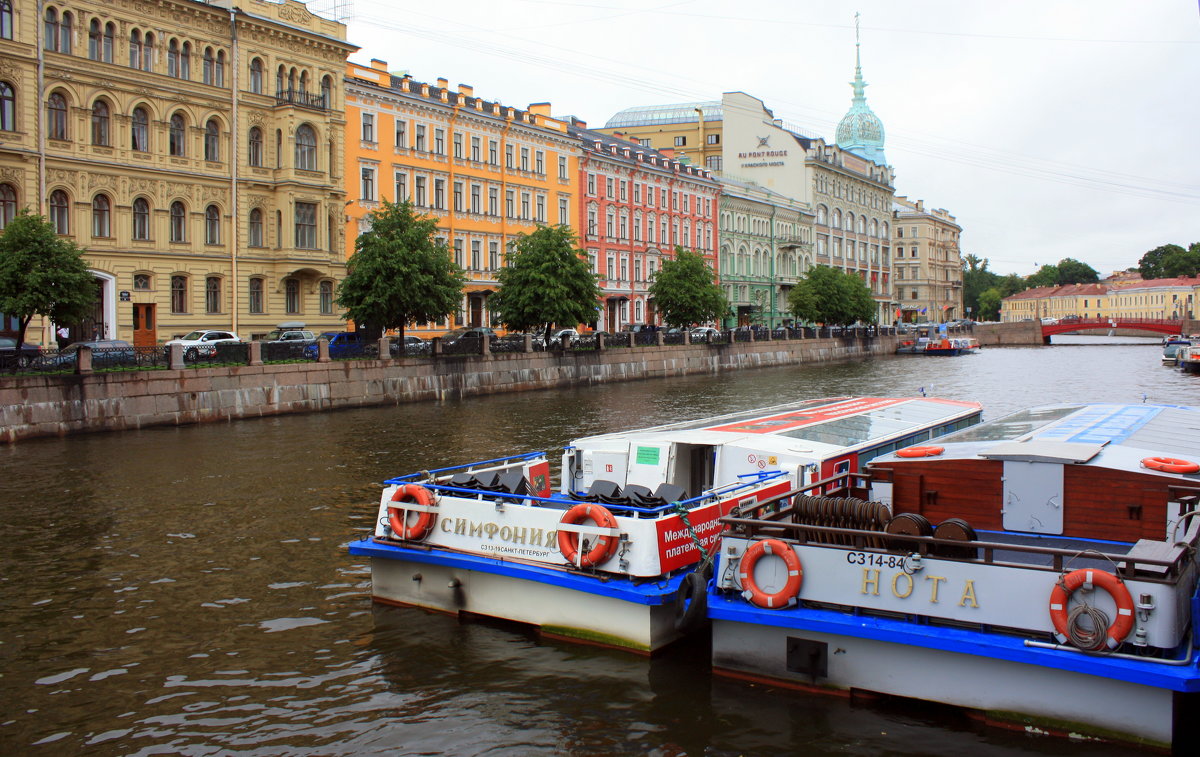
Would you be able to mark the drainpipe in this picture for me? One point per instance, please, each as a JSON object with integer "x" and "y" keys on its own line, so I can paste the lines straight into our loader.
{"x": 41, "y": 131}
{"x": 774, "y": 208}
{"x": 235, "y": 224}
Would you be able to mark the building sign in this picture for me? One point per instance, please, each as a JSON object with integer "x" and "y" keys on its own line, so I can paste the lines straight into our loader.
{"x": 125, "y": 296}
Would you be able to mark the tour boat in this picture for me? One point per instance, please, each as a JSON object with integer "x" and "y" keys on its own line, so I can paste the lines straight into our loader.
{"x": 943, "y": 347}
{"x": 1189, "y": 358}
{"x": 1172, "y": 347}
{"x": 610, "y": 557}
{"x": 1039, "y": 570}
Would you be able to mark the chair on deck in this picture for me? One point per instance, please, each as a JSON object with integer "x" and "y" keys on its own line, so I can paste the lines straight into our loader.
{"x": 665, "y": 494}
{"x": 599, "y": 491}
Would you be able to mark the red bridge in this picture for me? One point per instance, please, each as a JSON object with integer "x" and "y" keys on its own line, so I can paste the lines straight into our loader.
{"x": 1156, "y": 325}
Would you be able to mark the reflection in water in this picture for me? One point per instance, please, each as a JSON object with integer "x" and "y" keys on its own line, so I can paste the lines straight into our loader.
{"x": 189, "y": 589}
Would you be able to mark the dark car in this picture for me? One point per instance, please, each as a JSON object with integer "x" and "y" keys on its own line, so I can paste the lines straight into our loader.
{"x": 466, "y": 334}
{"x": 342, "y": 344}
{"x": 106, "y": 353}
{"x": 9, "y": 358}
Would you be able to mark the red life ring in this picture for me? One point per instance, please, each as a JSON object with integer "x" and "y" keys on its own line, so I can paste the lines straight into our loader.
{"x": 398, "y": 518}
{"x": 785, "y": 597}
{"x": 602, "y": 549}
{"x": 1170, "y": 464}
{"x": 1066, "y": 586}
{"x": 925, "y": 451}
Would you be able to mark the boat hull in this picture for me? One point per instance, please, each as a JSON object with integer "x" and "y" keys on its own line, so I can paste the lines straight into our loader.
{"x": 609, "y": 611}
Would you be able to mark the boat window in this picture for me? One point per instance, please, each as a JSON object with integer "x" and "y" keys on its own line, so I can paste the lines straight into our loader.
{"x": 1014, "y": 426}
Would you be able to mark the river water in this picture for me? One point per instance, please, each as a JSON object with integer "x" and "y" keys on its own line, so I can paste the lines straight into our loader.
{"x": 188, "y": 590}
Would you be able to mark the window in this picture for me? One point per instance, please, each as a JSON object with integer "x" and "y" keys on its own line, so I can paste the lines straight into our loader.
{"x": 713, "y": 139}
{"x": 458, "y": 145}
{"x": 141, "y": 281}
{"x": 367, "y": 191}
{"x": 95, "y": 39}
{"x": 327, "y": 91}
{"x": 476, "y": 255}
{"x": 212, "y": 225}
{"x": 306, "y": 148}
{"x": 141, "y": 219}
{"x": 212, "y": 140}
{"x": 401, "y": 134}
{"x": 493, "y": 148}
{"x": 255, "y": 154}
{"x": 8, "y": 204}
{"x": 176, "y": 135}
{"x": 401, "y": 188}
{"x": 493, "y": 201}
{"x": 420, "y": 143}
{"x": 680, "y": 141}
{"x": 256, "y": 79}
{"x": 562, "y": 167}
{"x": 135, "y": 49}
{"x": 475, "y": 199}
{"x": 8, "y": 106}
{"x": 178, "y": 222}
{"x": 148, "y": 53}
{"x": 540, "y": 205}
{"x": 173, "y": 58}
{"x": 291, "y": 296}
{"x": 494, "y": 256}
{"x": 179, "y": 294}
{"x": 439, "y": 193}
{"x": 100, "y": 123}
{"x": 60, "y": 212}
{"x": 139, "y": 130}
{"x": 185, "y": 61}
{"x": 306, "y": 226}
{"x": 420, "y": 189}
{"x": 212, "y": 295}
{"x": 208, "y": 71}
{"x": 51, "y": 31}
{"x": 475, "y": 147}
{"x": 256, "y": 296}
{"x": 524, "y": 158}
{"x": 106, "y": 50}
{"x": 256, "y": 228}
{"x": 564, "y": 215}
{"x": 368, "y": 127}
{"x": 439, "y": 141}
{"x": 539, "y": 162}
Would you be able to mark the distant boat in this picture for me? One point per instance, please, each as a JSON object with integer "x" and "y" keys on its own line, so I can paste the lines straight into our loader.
{"x": 1171, "y": 347}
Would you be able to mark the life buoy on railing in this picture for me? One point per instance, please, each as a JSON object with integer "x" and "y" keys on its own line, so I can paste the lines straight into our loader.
{"x": 413, "y": 498}
{"x": 785, "y": 597}
{"x": 1170, "y": 465}
{"x": 1064, "y": 620}
{"x": 922, "y": 451}
{"x": 571, "y": 528}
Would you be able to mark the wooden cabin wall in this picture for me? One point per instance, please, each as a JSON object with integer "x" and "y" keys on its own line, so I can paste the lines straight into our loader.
{"x": 967, "y": 489}
{"x": 1101, "y": 503}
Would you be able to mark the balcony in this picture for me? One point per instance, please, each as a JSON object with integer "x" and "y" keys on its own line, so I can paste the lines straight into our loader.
{"x": 302, "y": 99}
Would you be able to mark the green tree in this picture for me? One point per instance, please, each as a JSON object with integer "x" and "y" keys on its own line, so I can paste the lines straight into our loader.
{"x": 1183, "y": 263}
{"x": 546, "y": 282}
{"x": 989, "y": 304}
{"x": 976, "y": 280}
{"x": 831, "y": 296}
{"x": 684, "y": 292}
{"x": 42, "y": 273}
{"x": 1046, "y": 276}
{"x": 1151, "y": 264}
{"x": 399, "y": 274}
{"x": 1072, "y": 271}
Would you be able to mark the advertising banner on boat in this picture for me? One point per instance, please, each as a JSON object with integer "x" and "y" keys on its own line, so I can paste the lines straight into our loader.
{"x": 677, "y": 548}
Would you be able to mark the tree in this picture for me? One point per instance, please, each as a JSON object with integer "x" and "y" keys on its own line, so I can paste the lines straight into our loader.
{"x": 989, "y": 304}
{"x": 1151, "y": 265}
{"x": 42, "y": 273}
{"x": 1072, "y": 271}
{"x": 976, "y": 280}
{"x": 546, "y": 282}
{"x": 684, "y": 292}
{"x": 398, "y": 273}
{"x": 1046, "y": 276}
{"x": 831, "y": 296}
{"x": 1183, "y": 263}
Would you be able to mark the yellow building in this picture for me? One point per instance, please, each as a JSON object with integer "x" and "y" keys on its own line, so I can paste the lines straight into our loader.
{"x": 1057, "y": 302}
{"x": 487, "y": 172}
{"x": 192, "y": 148}
{"x": 1173, "y": 298}
{"x": 927, "y": 262}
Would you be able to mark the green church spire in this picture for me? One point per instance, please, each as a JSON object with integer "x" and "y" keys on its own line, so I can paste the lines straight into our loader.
{"x": 860, "y": 131}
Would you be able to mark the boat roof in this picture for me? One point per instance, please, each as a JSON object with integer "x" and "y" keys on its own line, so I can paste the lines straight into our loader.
{"x": 829, "y": 424}
{"x": 1111, "y": 435}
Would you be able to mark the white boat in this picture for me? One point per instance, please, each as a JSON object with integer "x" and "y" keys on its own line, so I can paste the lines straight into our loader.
{"x": 1057, "y": 590}
{"x": 610, "y": 557}
{"x": 1172, "y": 346}
{"x": 1189, "y": 358}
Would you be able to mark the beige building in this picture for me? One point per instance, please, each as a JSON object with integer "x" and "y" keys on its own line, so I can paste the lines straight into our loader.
{"x": 927, "y": 263}
{"x": 1131, "y": 299}
{"x": 192, "y": 148}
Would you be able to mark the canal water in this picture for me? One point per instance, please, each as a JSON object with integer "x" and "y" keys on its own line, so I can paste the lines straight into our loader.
{"x": 188, "y": 590}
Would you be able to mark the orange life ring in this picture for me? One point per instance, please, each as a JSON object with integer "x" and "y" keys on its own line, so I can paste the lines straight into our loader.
{"x": 1066, "y": 586}
{"x": 925, "y": 451}
{"x": 785, "y": 597}
{"x": 1170, "y": 464}
{"x": 397, "y": 516}
{"x": 602, "y": 549}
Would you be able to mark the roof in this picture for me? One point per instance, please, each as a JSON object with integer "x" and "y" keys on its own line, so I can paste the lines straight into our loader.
{"x": 677, "y": 113}
{"x": 614, "y": 148}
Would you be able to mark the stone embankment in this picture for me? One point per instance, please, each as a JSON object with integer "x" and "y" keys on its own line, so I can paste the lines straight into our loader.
{"x": 51, "y": 405}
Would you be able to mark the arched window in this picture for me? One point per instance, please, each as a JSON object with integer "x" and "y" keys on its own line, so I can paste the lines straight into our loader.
{"x": 101, "y": 216}
{"x": 140, "y": 130}
{"x": 280, "y": 83}
{"x": 173, "y": 58}
{"x": 8, "y": 107}
{"x": 176, "y": 135}
{"x": 849, "y": 219}
{"x": 185, "y": 61}
{"x": 303, "y": 81}
{"x": 326, "y": 297}
{"x": 874, "y": 229}
{"x": 95, "y": 39}
{"x": 65, "y": 33}
{"x": 110, "y": 30}
{"x": 141, "y": 281}
{"x": 100, "y": 123}
{"x": 219, "y": 71}
{"x": 884, "y": 230}
{"x": 291, "y": 296}
{"x": 178, "y": 222}
{"x": 291, "y": 84}
{"x": 255, "y": 153}
{"x": 836, "y": 221}
{"x": 135, "y": 49}
{"x": 60, "y": 212}
{"x": 256, "y": 228}
{"x": 52, "y": 27}
{"x": 209, "y": 71}
{"x": 862, "y": 224}
{"x": 212, "y": 140}
{"x": 8, "y": 204}
{"x": 212, "y": 225}
{"x": 327, "y": 91}
{"x": 141, "y": 219}
{"x": 179, "y": 294}
{"x": 148, "y": 52}
{"x": 212, "y": 294}
{"x": 6, "y": 19}
{"x": 306, "y": 148}
{"x": 256, "y": 76}
{"x": 256, "y": 296}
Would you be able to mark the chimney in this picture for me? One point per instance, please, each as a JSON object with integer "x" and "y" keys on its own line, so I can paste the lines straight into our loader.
{"x": 443, "y": 83}
{"x": 466, "y": 90}
{"x": 379, "y": 65}
{"x": 540, "y": 109}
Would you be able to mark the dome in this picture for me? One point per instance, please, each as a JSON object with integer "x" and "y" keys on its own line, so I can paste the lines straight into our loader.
{"x": 860, "y": 131}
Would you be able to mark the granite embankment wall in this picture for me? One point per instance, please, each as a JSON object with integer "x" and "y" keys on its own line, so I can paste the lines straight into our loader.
{"x": 32, "y": 406}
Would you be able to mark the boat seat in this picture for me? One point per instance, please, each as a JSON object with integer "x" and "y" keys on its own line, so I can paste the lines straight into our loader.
{"x": 638, "y": 495}
{"x": 488, "y": 479}
{"x": 665, "y": 494}
{"x": 463, "y": 480}
{"x": 513, "y": 482}
{"x": 599, "y": 487}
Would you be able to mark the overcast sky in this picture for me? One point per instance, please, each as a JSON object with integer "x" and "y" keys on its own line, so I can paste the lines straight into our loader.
{"x": 1049, "y": 128}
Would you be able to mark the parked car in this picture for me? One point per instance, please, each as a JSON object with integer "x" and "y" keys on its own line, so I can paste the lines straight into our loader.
{"x": 1049, "y": 321}
{"x": 1068, "y": 319}
{"x": 702, "y": 333}
{"x": 203, "y": 342}
{"x": 290, "y": 331}
{"x": 342, "y": 344}
{"x": 466, "y": 333}
{"x": 106, "y": 353}
{"x": 9, "y": 357}
{"x": 413, "y": 344}
{"x": 556, "y": 336}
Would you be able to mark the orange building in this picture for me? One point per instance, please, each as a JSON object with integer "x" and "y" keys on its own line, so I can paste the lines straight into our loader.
{"x": 487, "y": 172}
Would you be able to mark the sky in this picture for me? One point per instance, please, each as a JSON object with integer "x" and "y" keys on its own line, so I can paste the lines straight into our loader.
{"x": 1050, "y": 129}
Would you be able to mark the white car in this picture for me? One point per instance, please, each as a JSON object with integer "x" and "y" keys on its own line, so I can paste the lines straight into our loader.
{"x": 703, "y": 333}
{"x": 203, "y": 343}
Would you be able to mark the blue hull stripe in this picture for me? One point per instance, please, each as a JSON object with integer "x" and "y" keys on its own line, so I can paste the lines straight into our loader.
{"x": 657, "y": 592}
{"x": 962, "y": 641}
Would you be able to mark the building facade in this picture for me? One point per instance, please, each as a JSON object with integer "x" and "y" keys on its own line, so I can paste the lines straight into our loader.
{"x": 193, "y": 149}
{"x": 927, "y": 263}
{"x": 636, "y": 205}
{"x": 1158, "y": 299}
{"x": 488, "y": 173}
